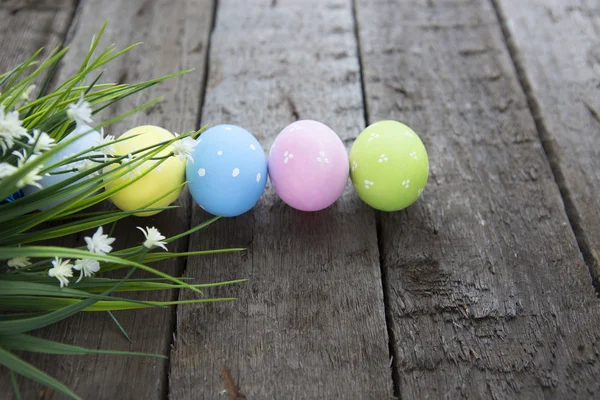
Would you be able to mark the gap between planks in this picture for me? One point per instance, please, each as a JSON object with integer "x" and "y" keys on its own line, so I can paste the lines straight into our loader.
{"x": 202, "y": 97}
{"x": 384, "y": 285}
{"x": 80, "y": 28}
{"x": 548, "y": 145}
{"x": 325, "y": 348}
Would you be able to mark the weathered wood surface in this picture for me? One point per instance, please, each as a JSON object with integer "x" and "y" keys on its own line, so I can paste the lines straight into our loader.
{"x": 556, "y": 46}
{"x": 175, "y": 37}
{"x": 487, "y": 291}
{"x": 26, "y": 26}
{"x": 309, "y": 323}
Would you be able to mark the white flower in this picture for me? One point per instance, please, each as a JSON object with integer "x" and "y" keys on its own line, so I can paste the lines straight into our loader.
{"x": 80, "y": 112}
{"x": 19, "y": 262}
{"x": 134, "y": 170}
{"x": 146, "y": 165}
{"x": 183, "y": 148}
{"x": 21, "y": 155}
{"x": 10, "y": 129}
{"x": 33, "y": 176}
{"x": 30, "y": 179}
{"x": 85, "y": 165}
{"x": 153, "y": 238}
{"x": 105, "y": 141}
{"x": 24, "y": 96}
{"x": 7, "y": 169}
{"x": 99, "y": 243}
{"x": 41, "y": 140}
{"x": 61, "y": 270}
{"x": 87, "y": 266}
{"x": 27, "y": 92}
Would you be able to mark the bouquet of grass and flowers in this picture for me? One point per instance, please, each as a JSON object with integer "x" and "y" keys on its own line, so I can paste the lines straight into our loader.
{"x": 56, "y": 167}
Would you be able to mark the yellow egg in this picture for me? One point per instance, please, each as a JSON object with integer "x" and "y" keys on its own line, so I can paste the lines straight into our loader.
{"x": 166, "y": 177}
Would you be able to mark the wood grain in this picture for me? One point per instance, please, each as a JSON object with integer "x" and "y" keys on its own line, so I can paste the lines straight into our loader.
{"x": 174, "y": 37}
{"x": 26, "y": 26}
{"x": 562, "y": 78}
{"x": 488, "y": 294}
{"x": 309, "y": 323}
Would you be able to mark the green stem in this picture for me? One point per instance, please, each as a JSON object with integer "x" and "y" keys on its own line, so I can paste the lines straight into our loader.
{"x": 15, "y": 385}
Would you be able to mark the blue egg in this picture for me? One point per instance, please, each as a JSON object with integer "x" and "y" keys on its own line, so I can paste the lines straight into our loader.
{"x": 90, "y": 139}
{"x": 229, "y": 172}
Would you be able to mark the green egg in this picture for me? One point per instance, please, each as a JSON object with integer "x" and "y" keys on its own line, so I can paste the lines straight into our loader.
{"x": 389, "y": 166}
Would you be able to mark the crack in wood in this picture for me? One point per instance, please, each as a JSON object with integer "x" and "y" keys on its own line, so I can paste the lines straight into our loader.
{"x": 292, "y": 107}
{"x": 593, "y": 111}
{"x": 549, "y": 146}
{"x": 473, "y": 52}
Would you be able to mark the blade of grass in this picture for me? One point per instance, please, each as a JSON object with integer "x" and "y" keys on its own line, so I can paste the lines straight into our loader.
{"x": 28, "y": 324}
{"x": 15, "y": 385}
{"x": 74, "y": 227}
{"x": 6, "y": 253}
{"x": 119, "y": 326}
{"x": 20, "y": 303}
{"x": 36, "y": 344}
{"x": 48, "y": 291}
{"x": 21, "y": 367}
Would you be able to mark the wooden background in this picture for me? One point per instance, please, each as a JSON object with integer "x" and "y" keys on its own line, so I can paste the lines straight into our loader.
{"x": 485, "y": 288}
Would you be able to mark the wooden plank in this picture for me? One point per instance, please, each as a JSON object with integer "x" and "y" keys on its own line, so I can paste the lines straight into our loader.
{"x": 488, "y": 294}
{"x": 175, "y": 37}
{"x": 309, "y": 323}
{"x": 27, "y": 26}
{"x": 561, "y": 77}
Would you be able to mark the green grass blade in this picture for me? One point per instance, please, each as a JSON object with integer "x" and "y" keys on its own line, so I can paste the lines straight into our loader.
{"x": 19, "y": 303}
{"x": 85, "y": 194}
{"x": 123, "y": 331}
{"x": 49, "y": 76}
{"x": 21, "y": 367}
{"x": 49, "y": 291}
{"x": 40, "y": 321}
{"x": 29, "y": 324}
{"x": 93, "y": 45}
{"x": 9, "y": 184}
{"x": 74, "y": 227}
{"x": 16, "y": 73}
{"x": 153, "y": 257}
{"x": 15, "y": 385}
{"x": 35, "y": 344}
{"x": 6, "y": 253}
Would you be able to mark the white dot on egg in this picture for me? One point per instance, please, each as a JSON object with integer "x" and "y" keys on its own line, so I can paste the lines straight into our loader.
{"x": 253, "y": 147}
{"x": 220, "y": 152}
{"x": 235, "y": 172}
{"x": 227, "y": 128}
{"x": 258, "y": 177}
{"x": 201, "y": 172}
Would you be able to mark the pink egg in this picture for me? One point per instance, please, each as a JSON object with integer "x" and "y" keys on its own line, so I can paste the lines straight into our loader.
{"x": 308, "y": 165}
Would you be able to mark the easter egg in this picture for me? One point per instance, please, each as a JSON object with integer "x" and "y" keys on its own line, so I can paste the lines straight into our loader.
{"x": 308, "y": 165}
{"x": 229, "y": 172}
{"x": 169, "y": 175}
{"x": 15, "y": 196}
{"x": 90, "y": 139}
{"x": 389, "y": 166}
